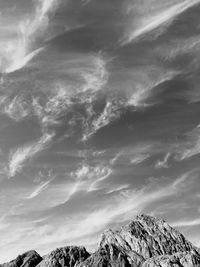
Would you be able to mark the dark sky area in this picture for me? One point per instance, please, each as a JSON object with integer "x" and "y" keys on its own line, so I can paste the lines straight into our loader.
{"x": 99, "y": 119}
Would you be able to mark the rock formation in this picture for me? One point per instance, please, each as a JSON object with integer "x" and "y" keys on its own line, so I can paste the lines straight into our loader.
{"x": 144, "y": 242}
{"x": 28, "y": 259}
{"x": 67, "y": 256}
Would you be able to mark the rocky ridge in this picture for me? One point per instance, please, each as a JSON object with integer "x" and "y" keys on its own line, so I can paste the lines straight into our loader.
{"x": 144, "y": 242}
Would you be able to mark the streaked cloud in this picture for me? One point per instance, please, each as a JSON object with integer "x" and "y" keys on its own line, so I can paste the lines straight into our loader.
{"x": 39, "y": 189}
{"x": 191, "y": 147}
{"x": 21, "y": 155}
{"x": 110, "y": 113}
{"x": 163, "y": 163}
{"x": 134, "y": 155}
{"x": 186, "y": 223}
{"x": 16, "y": 108}
{"x": 16, "y": 53}
{"x": 119, "y": 208}
{"x": 160, "y": 19}
{"x": 89, "y": 178}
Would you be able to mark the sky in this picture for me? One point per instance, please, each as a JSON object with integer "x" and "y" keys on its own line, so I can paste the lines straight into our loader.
{"x": 99, "y": 119}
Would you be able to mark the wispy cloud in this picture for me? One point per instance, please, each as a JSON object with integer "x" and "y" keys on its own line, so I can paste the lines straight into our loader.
{"x": 160, "y": 19}
{"x": 96, "y": 77}
{"x": 118, "y": 208}
{"x": 186, "y": 223}
{"x": 118, "y": 188}
{"x": 19, "y": 156}
{"x": 191, "y": 146}
{"x": 134, "y": 155}
{"x": 163, "y": 163}
{"x": 16, "y": 108}
{"x": 89, "y": 178}
{"x": 144, "y": 81}
{"x": 110, "y": 113}
{"x": 83, "y": 226}
{"x": 39, "y": 189}
{"x": 15, "y": 54}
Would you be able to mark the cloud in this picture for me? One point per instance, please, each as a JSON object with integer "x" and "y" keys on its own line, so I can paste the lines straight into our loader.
{"x": 83, "y": 226}
{"x": 144, "y": 81}
{"x": 190, "y": 147}
{"x": 118, "y": 188}
{"x": 16, "y": 108}
{"x": 160, "y": 19}
{"x": 22, "y": 60}
{"x": 186, "y": 223}
{"x": 118, "y": 208}
{"x": 110, "y": 113}
{"x": 134, "y": 155}
{"x": 19, "y": 156}
{"x": 42, "y": 186}
{"x": 96, "y": 76}
{"x": 16, "y": 53}
{"x": 88, "y": 178}
{"x": 163, "y": 163}
{"x": 57, "y": 102}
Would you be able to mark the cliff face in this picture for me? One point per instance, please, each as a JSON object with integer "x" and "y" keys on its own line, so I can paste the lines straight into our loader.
{"x": 144, "y": 242}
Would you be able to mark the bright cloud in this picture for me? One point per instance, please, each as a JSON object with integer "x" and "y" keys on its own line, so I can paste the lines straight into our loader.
{"x": 20, "y": 156}
{"x": 160, "y": 19}
{"x": 15, "y": 54}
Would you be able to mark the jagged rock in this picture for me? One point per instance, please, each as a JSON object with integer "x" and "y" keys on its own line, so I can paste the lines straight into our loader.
{"x": 179, "y": 259}
{"x": 110, "y": 257}
{"x": 145, "y": 242}
{"x": 28, "y": 259}
{"x": 144, "y": 238}
{"x": 65, "y": 257}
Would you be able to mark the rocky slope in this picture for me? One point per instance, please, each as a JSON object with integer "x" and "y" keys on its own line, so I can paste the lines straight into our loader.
{"x": 144, "y": 242}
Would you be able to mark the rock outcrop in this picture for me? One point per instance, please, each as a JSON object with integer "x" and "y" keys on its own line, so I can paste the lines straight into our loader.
{"x": 28, "y": 259}
{"x": 144, "y": 242}
{"x": 179, "y": 259}
{"x": 64, "y": 257}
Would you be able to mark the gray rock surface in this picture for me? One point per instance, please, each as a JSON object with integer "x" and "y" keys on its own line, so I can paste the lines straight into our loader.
{"x": 146, "y": 242}
{"x": 28, "y": 259}
{"x": 65, "y": 257}
{"x": 179, "y": 259}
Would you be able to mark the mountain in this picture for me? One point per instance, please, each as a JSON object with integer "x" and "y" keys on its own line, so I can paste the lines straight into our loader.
{"x": 67, "y": 256}
{"x": 144, "y": 242}
{"x": 28, "y": 259}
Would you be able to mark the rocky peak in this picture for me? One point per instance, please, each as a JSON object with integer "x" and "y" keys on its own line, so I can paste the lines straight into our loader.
{"x": 65, "y": 257}
{"x": 144, "y": 238}
{"x": 147, "y": 236}
{"x": 28, "y": 259}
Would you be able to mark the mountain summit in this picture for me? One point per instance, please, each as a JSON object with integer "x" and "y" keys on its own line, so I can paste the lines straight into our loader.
{"x": 144, "y": 242}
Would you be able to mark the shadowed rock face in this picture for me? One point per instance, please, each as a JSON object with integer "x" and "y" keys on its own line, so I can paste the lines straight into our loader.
{"x": 144, "y": 242}
{"x": 67, "y": 256}
{"x": 28, "y": 259}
